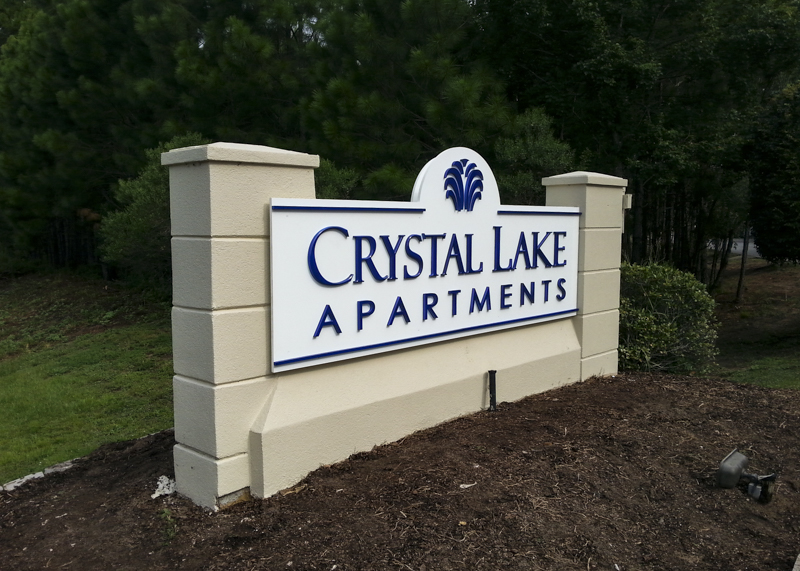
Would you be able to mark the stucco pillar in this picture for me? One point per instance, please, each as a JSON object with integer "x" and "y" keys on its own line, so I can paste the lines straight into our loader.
{"x": 219, "y": 202}
{"x": 602, "y": 201}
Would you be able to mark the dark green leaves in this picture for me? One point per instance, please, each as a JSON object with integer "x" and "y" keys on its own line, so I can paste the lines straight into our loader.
{"x": 775, "y": 179}
{"x": 667, "y": 321}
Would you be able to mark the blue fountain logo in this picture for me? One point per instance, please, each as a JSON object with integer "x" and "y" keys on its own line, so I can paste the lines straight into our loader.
{"x": 463, "y": 184}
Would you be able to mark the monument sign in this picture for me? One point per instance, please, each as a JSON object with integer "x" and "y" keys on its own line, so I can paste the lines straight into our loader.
{"x": 307, "y": 330}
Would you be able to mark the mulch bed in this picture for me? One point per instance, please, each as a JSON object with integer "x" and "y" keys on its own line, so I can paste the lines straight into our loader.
{"x": 614, "y": 473}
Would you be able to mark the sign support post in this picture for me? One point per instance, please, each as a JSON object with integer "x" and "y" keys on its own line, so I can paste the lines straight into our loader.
{"x": 601, "y": 199}
{"x": 219, "y": 210}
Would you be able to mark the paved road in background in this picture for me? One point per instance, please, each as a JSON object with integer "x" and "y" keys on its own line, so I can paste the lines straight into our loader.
{"x": 738, "y": 243}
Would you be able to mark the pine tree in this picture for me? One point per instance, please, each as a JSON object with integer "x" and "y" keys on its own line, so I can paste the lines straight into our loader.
{"x": 398, "y": 87}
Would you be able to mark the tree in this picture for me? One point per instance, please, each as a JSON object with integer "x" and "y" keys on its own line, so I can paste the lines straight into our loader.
{"x": 76, "y": 84}
{"x": 399, "y": 83}
{"x": 774, "y": 160}
{"x": 660, "y": 93}
{"x": 14, "y": 12}
{"x": 136, "y": 236}
{"x": 87, "y": 85}
{"x": 525, "y": 154}
{"x": 241, "y": 77}
{"x": 393, "y": 89}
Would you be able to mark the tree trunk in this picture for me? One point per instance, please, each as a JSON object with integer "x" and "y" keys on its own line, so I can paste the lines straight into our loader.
{"x": 740, "y": 287}
{"x": 727, "y": 245}
{"x": 669, "y": 207}
{"x": 715, "y": 259}
{"x": 638, "y": 225}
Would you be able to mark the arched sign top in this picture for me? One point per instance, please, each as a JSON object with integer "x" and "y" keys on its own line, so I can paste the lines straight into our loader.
{"x": 458, "y": 180}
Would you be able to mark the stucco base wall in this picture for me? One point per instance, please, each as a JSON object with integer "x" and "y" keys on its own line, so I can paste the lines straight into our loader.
{"x": 205, "y": 478}
{"x": 600, "y": 365}
{"x": 323, "y": 415}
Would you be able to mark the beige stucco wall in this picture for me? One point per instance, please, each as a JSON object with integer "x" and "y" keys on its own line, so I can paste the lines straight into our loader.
{"x": 601, "y": 199}
{"x": 241, "y": 428}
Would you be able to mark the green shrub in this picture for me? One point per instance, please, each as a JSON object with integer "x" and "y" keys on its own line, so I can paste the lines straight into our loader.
{"x": 136, "y": 238}
{"x": 331, "y": 181}
{"x": 667, "y": 321}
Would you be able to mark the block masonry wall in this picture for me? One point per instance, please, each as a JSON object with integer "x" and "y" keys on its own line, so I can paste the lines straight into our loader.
{"x": 242, "y": 430}
{"x": 601, "y": 200}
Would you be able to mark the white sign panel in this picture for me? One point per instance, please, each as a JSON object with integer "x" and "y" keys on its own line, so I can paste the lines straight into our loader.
{"x": 354, "y": 278}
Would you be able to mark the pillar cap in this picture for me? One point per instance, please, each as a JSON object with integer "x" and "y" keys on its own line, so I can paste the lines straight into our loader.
{"x": 584, "y": 177}
{"x": 238, "y": 153}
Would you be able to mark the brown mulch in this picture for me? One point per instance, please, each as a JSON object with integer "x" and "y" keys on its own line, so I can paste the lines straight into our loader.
{"x": 614, "y": 473}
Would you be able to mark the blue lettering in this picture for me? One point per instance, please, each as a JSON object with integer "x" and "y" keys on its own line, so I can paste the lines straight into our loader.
{"x": 504, "y": 294}
{"x": 537, "y": 251}
{"x": 361, "y": 259}
{"x": 434, "y": 250}
{"x": 522, "y": 250}
{"x": 454, "y": 296}
{"x": 525, "y": 293}
{"x": 454, "y": 252}
{"x": 392, "y": 251}
{"x": 414, "y": 256}
{"x": 470, "y": 269}
{"x": 399, "y": 310}
{"x": 365, "y": 309}
{"x": 563, "y": 293}
{"x": 546, "y": 286}
{"x": 557, "y": 249}
{"x": 429, "y": 300}
{"x": 328, "y": 319}
{"x": 485, "y": 301}
{"x": 497, "y": 267}
{"x": 312, "y": 259}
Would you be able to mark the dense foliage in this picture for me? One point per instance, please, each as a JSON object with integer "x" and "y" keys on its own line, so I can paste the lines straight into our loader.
{"x": 775, "y": 179}
{"x": 136, "y": 237}
{"x": 667, "y": 321}
{"x": 666, "y": 94}
{"x": 660, "y": 93}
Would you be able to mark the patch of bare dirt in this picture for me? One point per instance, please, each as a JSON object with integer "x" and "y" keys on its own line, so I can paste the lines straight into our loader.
{"x": 614, "y": 473}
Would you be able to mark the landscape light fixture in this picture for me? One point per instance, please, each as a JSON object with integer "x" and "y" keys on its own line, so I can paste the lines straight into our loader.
{"x": 731, "y": 473}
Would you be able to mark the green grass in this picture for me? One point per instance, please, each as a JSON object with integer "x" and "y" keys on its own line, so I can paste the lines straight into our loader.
{"x": 62, "y": 402}
{"x": 759, "y": 337}
{"x": 771, "y": 372}
{"x": 82, "y": 363}
{"x": 43, "y": 310}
